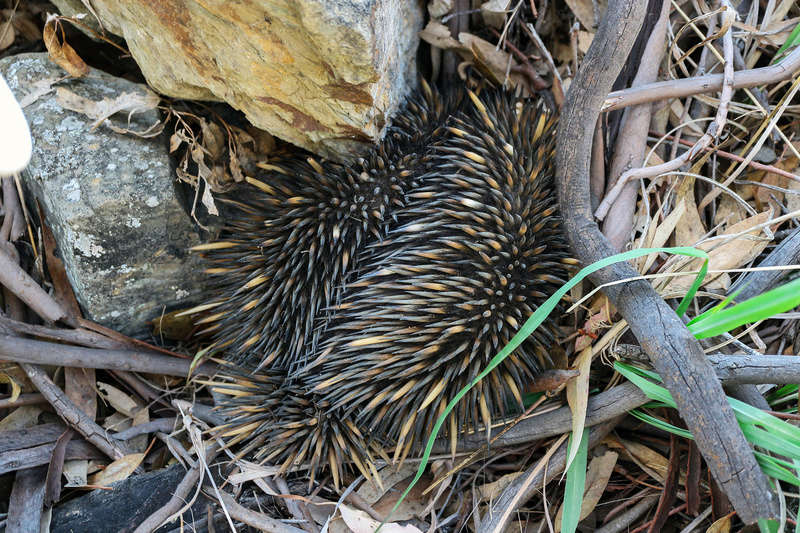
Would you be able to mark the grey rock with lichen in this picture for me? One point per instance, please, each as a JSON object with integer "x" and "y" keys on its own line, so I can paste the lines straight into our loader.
{"x": 109, "y": 198}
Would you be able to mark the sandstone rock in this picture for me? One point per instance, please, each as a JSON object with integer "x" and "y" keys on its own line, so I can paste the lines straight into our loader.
{"x": 109, "y": 198}
{"x": 323, "y": 74}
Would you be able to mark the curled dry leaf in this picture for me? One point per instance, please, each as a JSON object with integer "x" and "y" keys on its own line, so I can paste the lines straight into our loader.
{"x": 493, "y": 62}
{"x": 494, "y": 12}
{"x": 550, "y": 380}
{"x": 101, "y": 110}
{"x": 439, "y": 8}
{"x": 438, "y": 35}
{"x": 15, "y": 388}
{"x": 213, "y": 138}
{"x": 60, "y": 52}
{"x": 360, "y": 522}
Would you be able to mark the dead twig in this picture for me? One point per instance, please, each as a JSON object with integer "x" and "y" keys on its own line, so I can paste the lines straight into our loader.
{"x": 733, "y": 157}
{"x": 624, "y": 521}
{"x": 664, "y": 90}
{"x": 254, "y": 519}
{"x": 14, "y": 278}
{"x": 522, "y": 488}
{"x": 190, "y": 481}
{"x": 22, "y": 350}
{"x": 72, "y": 415}
{"x": 13, "y": 221}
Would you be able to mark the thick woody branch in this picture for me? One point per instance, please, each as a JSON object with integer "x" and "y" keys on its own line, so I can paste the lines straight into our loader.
{"x": 675, "y": 353}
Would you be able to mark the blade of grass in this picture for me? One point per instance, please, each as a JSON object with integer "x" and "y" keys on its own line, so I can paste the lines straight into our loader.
{"x": 575, "y": 485}
{"x": 661, "y": 424}
{"x": 792, "y": 40}
{"x": 717, "y": 308}
{"x": 763, "y": 306}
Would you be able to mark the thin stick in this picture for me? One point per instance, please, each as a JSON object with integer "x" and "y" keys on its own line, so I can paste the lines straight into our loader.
{"x": 771, "y": 169}
{"x": 254, "y": 519}
{"x": 664, "y": 90}
{"x": 631, "y": 144}
{"x": 72, "y": 414}
{"x": 14, "y": 278}
{"x": 22, "y": 350}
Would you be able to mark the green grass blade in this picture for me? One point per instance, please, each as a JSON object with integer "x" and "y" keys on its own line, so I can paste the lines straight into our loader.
{"x": 773, "y": 469}
{"x": 792, "y": 40}
{"x": 575, "y": 485}
{"x": 717, "y": 308}
{"x": 763, "y": 306}
{"x": 661, "y": 424}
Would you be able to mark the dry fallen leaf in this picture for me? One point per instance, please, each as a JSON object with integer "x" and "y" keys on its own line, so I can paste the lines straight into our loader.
{"x": 494, "y": 12}
{"x": 491, "y": 491}
{"x": 689, "y": 229}
{"x": 62, "y": 53}
{"x": 119, "y": 400}
{"x": 412, "y": 506}
{"x": 22, "y": 417}
{"x": 495, "y": 63}
{"x": 7, "y": 34}
{"x": 652, "y": 462}
{"x": 584, "y": 10}
{"x": 438, "y": 35}
{"x": 439, "y": 8}
{"x": 130, "y": 102}
{"x": 660, "y": 235}
{"x": 360, "y": 522}
{"x": 728, "y": 211}
{"x": 117, "y": 470}
{"x": 723, "y": 525}
{"x": 370, "y": 492}
{"x": 732, "y": 254}
{"x": 578, "y": 397}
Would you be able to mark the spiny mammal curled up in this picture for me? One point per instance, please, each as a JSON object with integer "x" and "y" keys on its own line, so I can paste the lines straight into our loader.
{"x": 366, "y": 296}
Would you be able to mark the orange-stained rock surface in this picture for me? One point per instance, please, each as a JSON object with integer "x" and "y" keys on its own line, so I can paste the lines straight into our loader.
{"x": 323, "y": 74}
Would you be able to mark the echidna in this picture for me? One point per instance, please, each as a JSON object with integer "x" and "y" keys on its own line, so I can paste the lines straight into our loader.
{"x": 293, "y": 237}
{"x": 371, "y": 294}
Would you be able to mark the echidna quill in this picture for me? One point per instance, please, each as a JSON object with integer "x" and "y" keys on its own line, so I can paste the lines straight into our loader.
{"x": 356, "y": 301}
